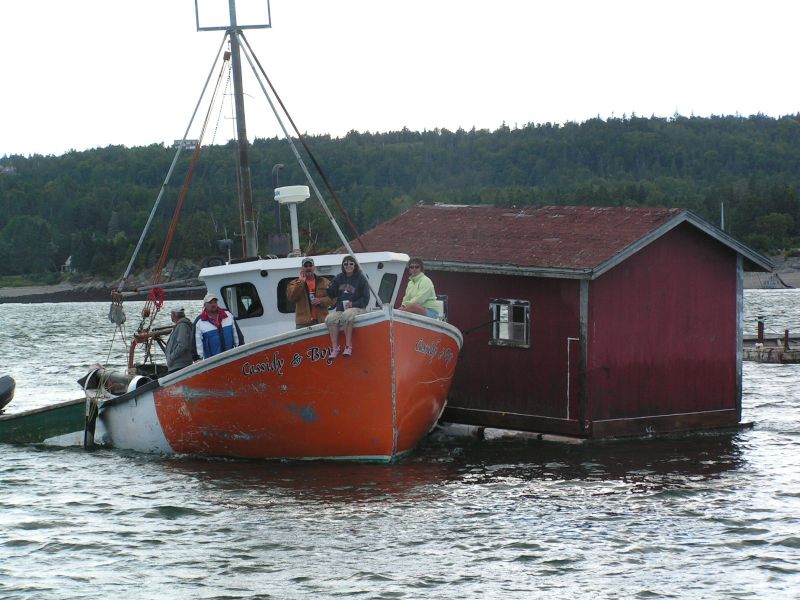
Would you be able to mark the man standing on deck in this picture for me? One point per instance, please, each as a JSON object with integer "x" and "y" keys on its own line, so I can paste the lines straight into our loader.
{"x": 215, "y": 330}
{"x": 308, "y": 292}
{"x": 179, "y": 344}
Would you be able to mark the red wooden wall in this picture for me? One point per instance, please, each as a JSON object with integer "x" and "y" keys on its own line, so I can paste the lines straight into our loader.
{"x": 529, "y": 384}
{"x": 662, "y": 333}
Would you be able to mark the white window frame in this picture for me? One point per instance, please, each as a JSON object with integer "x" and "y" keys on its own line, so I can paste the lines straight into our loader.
{"x": 511, "y": 322}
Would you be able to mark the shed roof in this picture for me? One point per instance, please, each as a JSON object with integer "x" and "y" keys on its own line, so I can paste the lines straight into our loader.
{"x": 565, "y": 241}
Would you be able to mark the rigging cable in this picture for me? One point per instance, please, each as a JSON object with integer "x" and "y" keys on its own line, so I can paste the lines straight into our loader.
{"x": 136, "y": 250}
{"x": 155, "y": 299}
{"x": 187, "y": 180}
{"x": 307, "y": 148}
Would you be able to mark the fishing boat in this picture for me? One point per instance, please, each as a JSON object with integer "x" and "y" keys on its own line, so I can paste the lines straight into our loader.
{"x": 280, "y": 395}
{"x": 58, "y": 424}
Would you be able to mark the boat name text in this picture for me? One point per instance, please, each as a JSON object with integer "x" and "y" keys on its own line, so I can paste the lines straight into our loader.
{"x": 431, "y": 350}
{"x": 273, "y": 365}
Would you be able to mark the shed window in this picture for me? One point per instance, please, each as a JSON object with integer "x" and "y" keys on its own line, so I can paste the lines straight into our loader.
{"x": 511, "y": 322}
{"x": 242, "y": 300}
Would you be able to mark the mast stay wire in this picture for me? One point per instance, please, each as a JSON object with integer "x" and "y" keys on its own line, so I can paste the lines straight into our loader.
{"x": 116, "y": 312}
{"x": 312, "y": 183}
{"x": 188, "y": 178}
{"x": 153, "y": 298}
{"x": 209, "y": 147}
{"x": 138, "y": 248}
{"x": 300, "y": 136}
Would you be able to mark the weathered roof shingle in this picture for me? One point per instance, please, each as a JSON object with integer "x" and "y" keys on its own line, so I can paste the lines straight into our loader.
{"x": 553, "y": 237}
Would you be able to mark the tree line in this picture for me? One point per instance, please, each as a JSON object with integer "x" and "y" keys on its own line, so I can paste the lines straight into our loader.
{"x": 92, "y": 205}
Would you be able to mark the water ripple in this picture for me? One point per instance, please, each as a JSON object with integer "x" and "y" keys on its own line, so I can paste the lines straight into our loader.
{"x": 703, "y": 516}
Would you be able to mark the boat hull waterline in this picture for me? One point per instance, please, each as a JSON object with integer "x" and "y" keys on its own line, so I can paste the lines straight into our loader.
{"x": 285, "y": 398}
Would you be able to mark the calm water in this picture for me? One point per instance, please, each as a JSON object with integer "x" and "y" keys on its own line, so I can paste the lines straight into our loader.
{"x": 704, "y": 516}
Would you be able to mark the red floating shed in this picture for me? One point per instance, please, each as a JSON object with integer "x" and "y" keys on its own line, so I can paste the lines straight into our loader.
{"x": 585, "y": 321}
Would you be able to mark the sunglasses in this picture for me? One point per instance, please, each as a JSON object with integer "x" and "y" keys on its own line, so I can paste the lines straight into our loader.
{"x": 413, "y": 267}
{"x": 348, "y": 263}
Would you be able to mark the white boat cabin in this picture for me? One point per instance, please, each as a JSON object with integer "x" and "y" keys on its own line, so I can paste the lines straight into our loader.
{"x": 255, "y": 291}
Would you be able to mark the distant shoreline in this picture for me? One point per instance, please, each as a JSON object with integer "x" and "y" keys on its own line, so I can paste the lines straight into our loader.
{"x": 67, "y": 292}
{"x": 64, "y": 292}
{"x": 771, "y": 281}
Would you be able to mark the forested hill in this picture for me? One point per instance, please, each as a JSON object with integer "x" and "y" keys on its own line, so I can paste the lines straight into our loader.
{"x": 92, "y": 205}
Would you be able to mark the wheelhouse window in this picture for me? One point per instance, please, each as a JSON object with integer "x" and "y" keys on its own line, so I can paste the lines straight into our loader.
{"x": 386, "y": 289}
{"x": 511, "y": 322}
{"x": 445, "y": 307}
{"x": 242, "y": 300}
{"x": 284, "y": 305}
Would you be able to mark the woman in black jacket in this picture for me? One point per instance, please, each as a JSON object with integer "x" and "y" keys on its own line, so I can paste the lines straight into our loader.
{"x": 351, "y": 291}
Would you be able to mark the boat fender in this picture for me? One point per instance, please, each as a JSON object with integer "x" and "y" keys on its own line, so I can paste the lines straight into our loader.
{"x": 138, "y": 381}
{"x": 116, "y": 314}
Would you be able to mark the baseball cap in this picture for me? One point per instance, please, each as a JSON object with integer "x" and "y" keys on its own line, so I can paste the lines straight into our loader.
{"x": 209, "y": 297}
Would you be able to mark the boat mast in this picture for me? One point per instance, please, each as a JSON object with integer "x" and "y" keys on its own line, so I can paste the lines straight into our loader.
{"x": 244, "y": 179}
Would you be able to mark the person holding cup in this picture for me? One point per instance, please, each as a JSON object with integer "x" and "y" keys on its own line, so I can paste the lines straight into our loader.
{"x": 351, "y": 291}
{"x": 309, "y": 294}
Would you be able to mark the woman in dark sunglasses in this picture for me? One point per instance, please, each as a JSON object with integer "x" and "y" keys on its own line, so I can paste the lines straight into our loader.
{"x": 351, "y": 291}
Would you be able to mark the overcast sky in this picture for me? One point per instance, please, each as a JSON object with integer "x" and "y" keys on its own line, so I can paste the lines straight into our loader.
{"x": 81, "y": 74}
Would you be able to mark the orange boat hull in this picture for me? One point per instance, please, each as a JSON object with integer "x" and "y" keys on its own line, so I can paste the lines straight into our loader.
{"x": 287, "y": 399}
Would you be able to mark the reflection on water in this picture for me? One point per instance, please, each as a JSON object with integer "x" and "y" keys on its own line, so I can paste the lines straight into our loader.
{"x": 642, "y": 465}
{"x": 323, "y": 482}
{"x": 645, "y": 465}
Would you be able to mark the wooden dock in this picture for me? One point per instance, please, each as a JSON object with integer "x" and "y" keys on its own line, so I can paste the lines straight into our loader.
{"x": 771, "y": 354}
{"x": 771, "y": 348}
